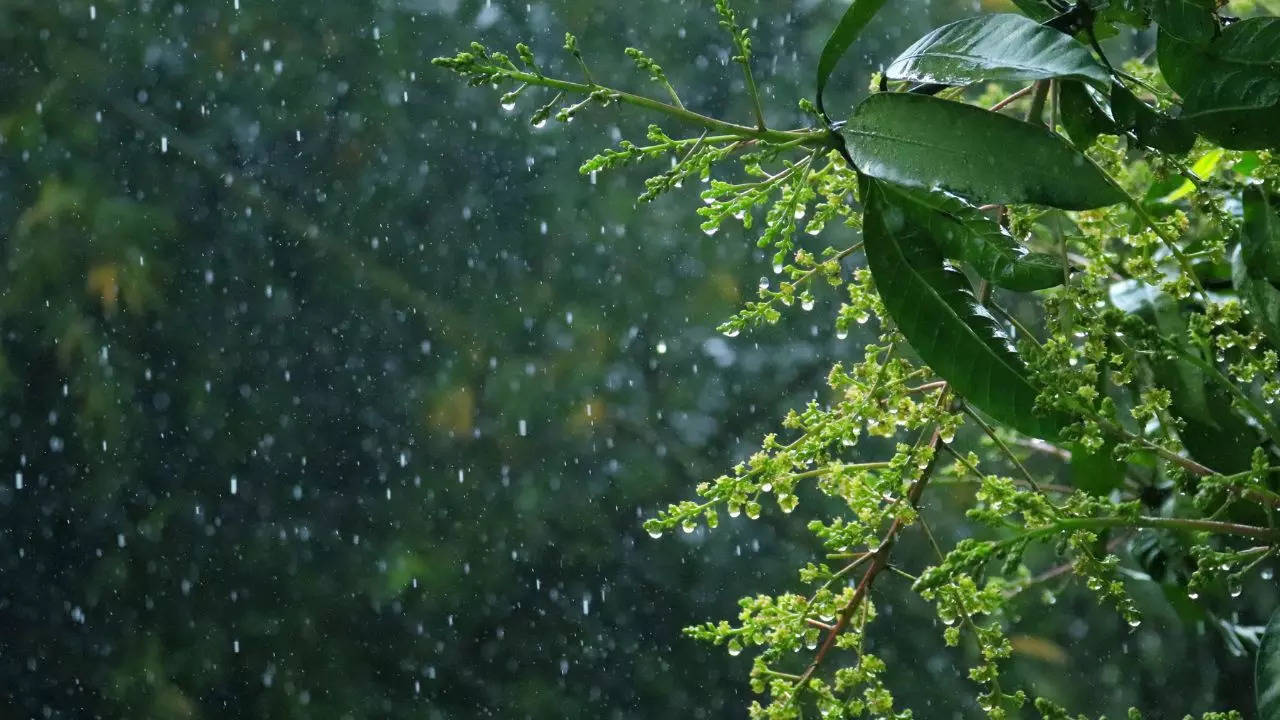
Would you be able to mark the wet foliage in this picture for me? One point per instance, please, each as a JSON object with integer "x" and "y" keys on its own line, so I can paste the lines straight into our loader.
{"x": 334, "y": 389}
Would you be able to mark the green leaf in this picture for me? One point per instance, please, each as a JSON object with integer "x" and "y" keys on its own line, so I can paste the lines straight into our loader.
{"x": 1189, "y": 20}
{"x": 1260, "y": 233}
{"x": 847, "y": 30}
{"x": 996, "y": 48}
{"x": 1258, "y": 295}
{"x": 962, "y": 232}
{"x": 1133, "y": 13}
{"x": 1083, "y": 118}
{"x": 1152, "y": 127}
{"x": 933, "y": 307}
{"x": 1231, "y": 87}
{"x": 1179, "y": 61}
{"x": 926, "y": 142}
{"x": 1037, "y": 10}
{"x": 1214, "y": 434}
{"x": 1267, "y": 672}
{"x": 1096, "y": 472}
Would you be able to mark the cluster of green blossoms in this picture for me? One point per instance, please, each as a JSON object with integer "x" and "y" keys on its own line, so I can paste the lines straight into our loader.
{"x": 1138, "y": 348}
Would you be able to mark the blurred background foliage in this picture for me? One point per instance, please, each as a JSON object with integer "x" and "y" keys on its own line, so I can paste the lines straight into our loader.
{"x": 332, "y": 391}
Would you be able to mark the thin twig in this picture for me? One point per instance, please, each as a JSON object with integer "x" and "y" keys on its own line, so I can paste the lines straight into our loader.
{"x": 1010, "y": 100}
{"x": 879, "y": 562}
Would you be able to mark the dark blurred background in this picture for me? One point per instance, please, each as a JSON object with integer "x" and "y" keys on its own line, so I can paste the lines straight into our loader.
{"x": 331, "y": 390}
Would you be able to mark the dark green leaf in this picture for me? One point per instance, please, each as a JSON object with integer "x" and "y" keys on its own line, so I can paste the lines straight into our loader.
{"x": 1267, "y": 673}
{"x": 932, "y": 305}
{"x": 996, "y": 48}
{"x": 1189, "y": 20}
{"x": 926, "y": 142}
{"x": 1133, "y": 13}
{"x": 1258, "y": 295}
{"x": 1096, "y": 472}
{"x": 1231, "y": 87}
{"x": 1179, "y": 61}
{"x": 1260, "y": 234}
{"x": 847, "y": 30}
{"x": 1215, "y": 434}
{"x": 1037, "y": 10}
{"x": 962, "y": 232}
{"x": 1152, "y": 127}
{"x": 1083, "y": 118}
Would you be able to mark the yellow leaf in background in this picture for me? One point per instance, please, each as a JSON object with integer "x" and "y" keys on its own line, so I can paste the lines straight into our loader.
{"x": 1203, "y": 168}
{"x": 1040, "y": 648}
{"x": 453, "y": 411}
{"x": 585, "y": 416}
{"x": 104, "y": 283}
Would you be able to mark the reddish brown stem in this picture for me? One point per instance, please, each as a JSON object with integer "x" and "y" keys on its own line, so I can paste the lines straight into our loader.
{"x": 879, "y": 562}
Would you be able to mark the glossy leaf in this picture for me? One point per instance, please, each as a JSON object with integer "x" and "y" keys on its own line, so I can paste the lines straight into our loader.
{"x": 1267, "y": 671}
{"x": 933, "y": 307}
{"x": 1189, "y": 20}
{"x": 926, "y": 142}
{"x": 847, "y": 30}
{"x": 1082, "y": 116}
{"x": 1037, "y": 10}
{"x": 1178, "y": 61}
{"x": 996, "y": 48}
{"x": 962, "y": 232}
{"x": 1260, "y": 233}
{"x": 1258, "y": 295}
{"x": 1151, "y": 127}
{"x": 1214, "y": 433}
{"x": 1231, "y": 87}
